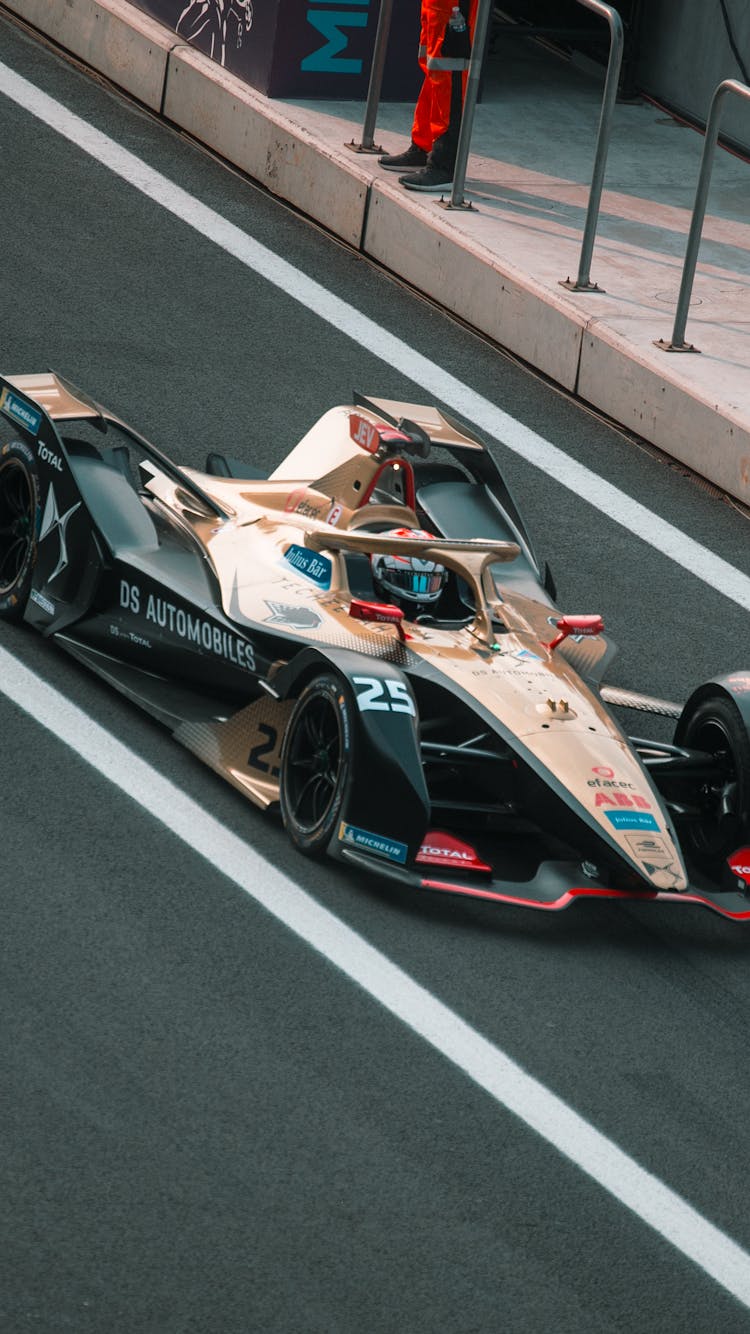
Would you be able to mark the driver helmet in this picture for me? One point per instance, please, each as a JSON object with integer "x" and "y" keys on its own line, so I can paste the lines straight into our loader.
{"x": 408, "y": 578}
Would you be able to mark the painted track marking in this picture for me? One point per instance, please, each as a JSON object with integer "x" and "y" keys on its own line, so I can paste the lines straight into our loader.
{"x": 486, "y": 1064}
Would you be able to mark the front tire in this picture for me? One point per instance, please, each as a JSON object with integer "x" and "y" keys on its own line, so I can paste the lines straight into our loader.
{"x": 716, "y": 726}
{"x": 316, "y": 764}
{"x": 19, "y": 505}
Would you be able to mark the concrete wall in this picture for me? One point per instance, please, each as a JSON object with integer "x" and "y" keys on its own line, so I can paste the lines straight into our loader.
{"x": 684, "y": 52}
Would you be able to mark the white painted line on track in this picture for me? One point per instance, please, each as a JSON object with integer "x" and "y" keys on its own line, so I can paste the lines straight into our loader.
{"x": 487, "y": 1065}
{"x": 439, "y": 383}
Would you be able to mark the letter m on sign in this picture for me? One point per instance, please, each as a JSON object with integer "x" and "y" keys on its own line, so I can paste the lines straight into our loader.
{"x": 329, "y": 22}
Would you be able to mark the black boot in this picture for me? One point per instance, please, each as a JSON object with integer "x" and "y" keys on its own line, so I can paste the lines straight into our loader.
{"x": 432, "y": 179}
{"x": 413, "y": 157}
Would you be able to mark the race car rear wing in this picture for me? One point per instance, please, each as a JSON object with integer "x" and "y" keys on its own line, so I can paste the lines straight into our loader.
{"x": 28, "y": 400}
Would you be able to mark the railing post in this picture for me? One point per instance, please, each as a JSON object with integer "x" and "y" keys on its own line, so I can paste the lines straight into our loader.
{"x": 678, "y": 343}
{"x": 583, "y": 282}
{"x": 479, "y": 42}
{"x": 368, "y": 144}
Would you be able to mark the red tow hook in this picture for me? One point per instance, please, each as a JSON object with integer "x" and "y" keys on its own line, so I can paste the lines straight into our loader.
{"x": 576, "y": 625}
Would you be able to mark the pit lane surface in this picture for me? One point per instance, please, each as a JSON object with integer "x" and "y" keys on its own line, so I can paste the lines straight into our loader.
{"x": 206, "y": 1126}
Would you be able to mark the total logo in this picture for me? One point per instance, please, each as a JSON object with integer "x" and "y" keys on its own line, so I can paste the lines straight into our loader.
{"x": 48, "y": 456}
{"x": 739, "y": 863}
{"x": 440, "y": 849}
{"x": 457, "y": 854}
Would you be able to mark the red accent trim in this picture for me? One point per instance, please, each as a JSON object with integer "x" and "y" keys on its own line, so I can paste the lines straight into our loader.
{"x": 570, "y": 895}
{"x": 411, "y": 495}
{"x": 665, "y": 897}
{"x": 554, "y": 906}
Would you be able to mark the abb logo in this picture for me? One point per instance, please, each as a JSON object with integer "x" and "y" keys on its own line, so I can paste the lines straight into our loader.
{"x": 633, "y": 800}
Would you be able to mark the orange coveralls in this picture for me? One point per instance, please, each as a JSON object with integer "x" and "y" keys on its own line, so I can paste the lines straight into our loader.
{"x": 437, "y": 117}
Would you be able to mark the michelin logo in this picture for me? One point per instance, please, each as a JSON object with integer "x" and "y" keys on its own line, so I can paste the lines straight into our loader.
{"x": 46, "y": 604}
{"x": 377, "y": 843}
{"x": 20, "y": 411}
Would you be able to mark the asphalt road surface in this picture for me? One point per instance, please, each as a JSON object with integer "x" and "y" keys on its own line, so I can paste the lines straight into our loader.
{"x": 205, "y": 1125}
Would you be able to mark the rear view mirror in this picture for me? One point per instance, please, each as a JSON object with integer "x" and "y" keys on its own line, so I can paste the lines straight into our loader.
{"x": 385, "y": 612}
{"x": 576, "y": 625}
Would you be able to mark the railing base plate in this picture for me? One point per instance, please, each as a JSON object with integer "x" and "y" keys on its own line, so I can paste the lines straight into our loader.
{"x": 664, "y": 346}
{"x": 464, "y": 205}
{"x": 363, "y": 148}
{"x": 580, "y": 287}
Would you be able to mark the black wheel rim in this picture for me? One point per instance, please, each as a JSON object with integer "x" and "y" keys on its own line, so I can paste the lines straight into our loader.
{"x": 719, "y": 801}
{"x": 313, "y": 766}
{"x": 16, "y": 522}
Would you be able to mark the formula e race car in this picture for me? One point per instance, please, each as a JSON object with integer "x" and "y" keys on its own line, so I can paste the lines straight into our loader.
{"x": 366, "y": 641}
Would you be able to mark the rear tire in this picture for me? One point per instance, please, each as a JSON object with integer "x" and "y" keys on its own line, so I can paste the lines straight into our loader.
{"x": 19, "y": 506}
{"x": 716, "y": 725}
{"x": 316, "y": 764}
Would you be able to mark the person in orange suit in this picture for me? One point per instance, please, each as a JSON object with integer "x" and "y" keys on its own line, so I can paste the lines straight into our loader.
{"x": 446, "y": 31}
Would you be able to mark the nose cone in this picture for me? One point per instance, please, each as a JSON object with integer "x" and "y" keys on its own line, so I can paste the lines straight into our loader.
{"x": 605, "y": 777}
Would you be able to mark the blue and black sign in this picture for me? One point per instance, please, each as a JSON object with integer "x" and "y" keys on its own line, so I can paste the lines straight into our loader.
{"x": 21, "y": 411}
{"x": 299, "y": 48}
{"x": 310, "y": 564}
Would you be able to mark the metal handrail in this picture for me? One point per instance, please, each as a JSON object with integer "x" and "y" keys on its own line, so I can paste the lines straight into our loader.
{"x": 678, "y": 343}
{"x": 367, "y": 144}
{"x": 479, "y": 41}
{"x": 583, "y": 282}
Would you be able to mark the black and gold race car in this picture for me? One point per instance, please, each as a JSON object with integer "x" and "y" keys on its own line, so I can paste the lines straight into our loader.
{"x": 366, "y": 641}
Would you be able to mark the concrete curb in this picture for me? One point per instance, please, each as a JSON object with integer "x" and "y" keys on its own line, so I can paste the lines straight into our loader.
{"x": 709, "y": 437}
{"x": 432, "y": 254}
{"x": 255, "y": 135}
{"x": 119, "y": 41}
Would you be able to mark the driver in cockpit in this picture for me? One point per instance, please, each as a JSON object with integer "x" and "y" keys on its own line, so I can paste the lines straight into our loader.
{"x": 413, "y": 584}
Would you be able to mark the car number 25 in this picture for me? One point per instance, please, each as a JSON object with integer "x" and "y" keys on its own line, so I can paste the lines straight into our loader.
{"x": 387, "y": 694}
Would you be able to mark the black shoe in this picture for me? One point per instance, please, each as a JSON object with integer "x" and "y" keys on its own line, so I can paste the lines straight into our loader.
{"x": 431, "y": 179}
{"x": 413, "y": 157}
